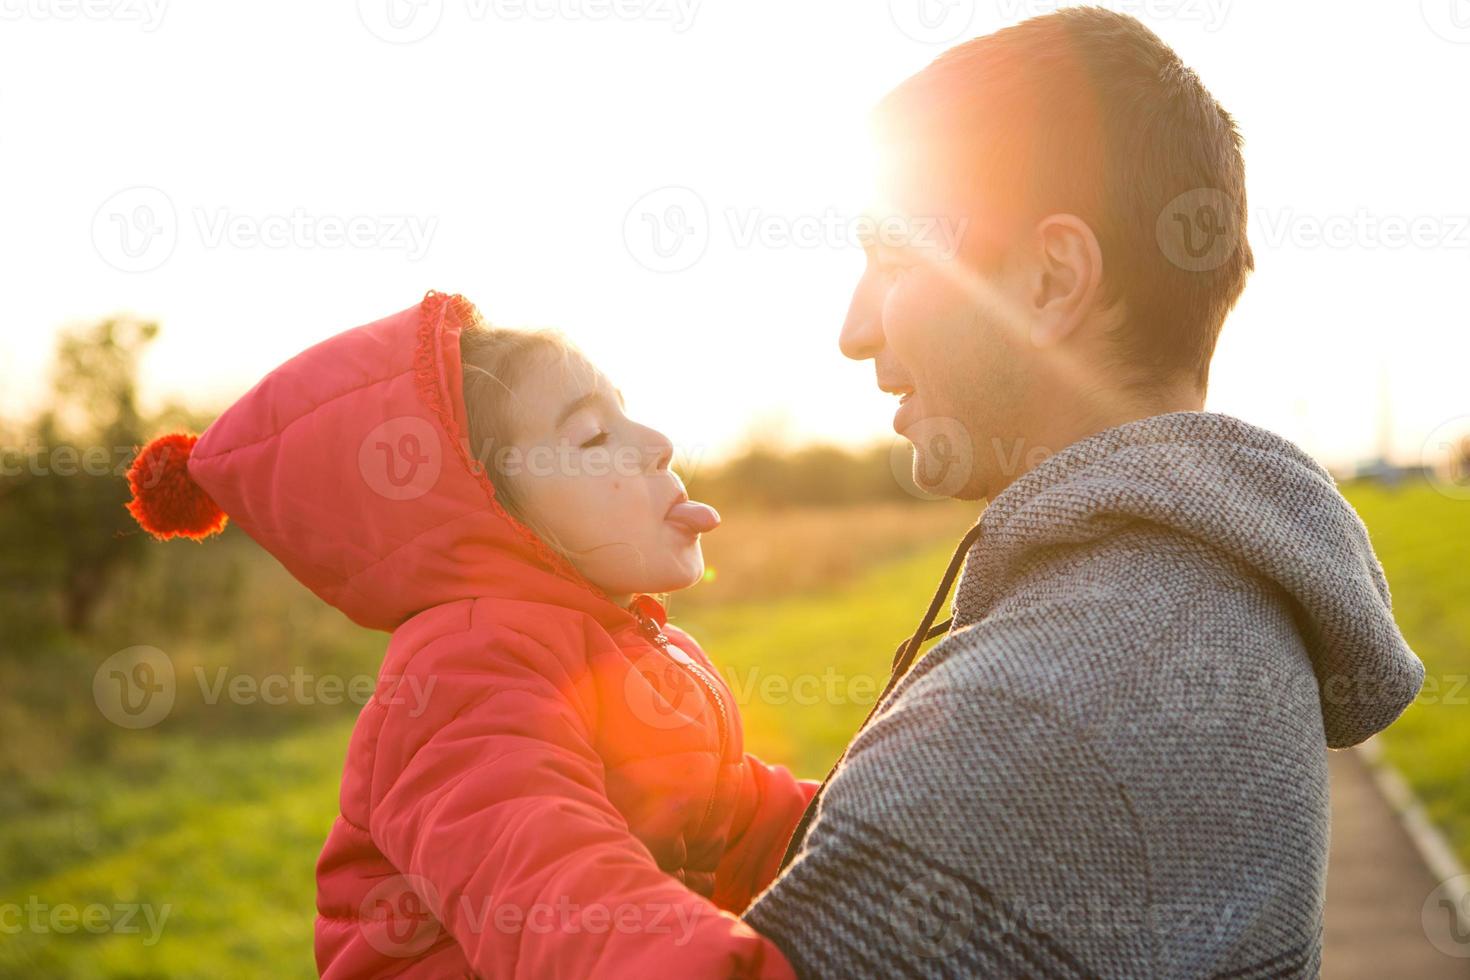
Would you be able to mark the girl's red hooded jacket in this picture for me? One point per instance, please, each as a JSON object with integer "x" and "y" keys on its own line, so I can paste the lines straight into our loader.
{"x": 543, "y": 784}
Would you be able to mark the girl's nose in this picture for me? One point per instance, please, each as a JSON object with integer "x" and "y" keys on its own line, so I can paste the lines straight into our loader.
{"x": 660, "y": 450}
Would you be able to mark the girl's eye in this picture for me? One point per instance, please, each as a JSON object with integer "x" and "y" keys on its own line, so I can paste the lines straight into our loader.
{"x": 595, "y": 441}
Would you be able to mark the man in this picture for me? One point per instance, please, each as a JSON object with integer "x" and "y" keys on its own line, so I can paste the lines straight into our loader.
{"x": 1114, "y": 764}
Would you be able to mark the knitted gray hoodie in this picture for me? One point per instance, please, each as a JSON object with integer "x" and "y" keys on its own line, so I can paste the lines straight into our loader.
{"x": 1114, "y": 764}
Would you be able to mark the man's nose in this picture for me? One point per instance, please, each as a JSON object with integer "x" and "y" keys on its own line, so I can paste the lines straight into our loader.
{"x": 862, "y": 332}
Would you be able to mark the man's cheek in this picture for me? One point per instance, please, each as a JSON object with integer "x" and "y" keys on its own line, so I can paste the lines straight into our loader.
{"x": 903, "y": 326}
{"x": 917, "y": 312}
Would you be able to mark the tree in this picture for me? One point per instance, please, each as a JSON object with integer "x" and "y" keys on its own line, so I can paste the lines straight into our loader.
{"x": 62, "y": 483}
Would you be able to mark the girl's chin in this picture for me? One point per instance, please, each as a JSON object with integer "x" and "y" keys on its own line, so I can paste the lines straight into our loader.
{"x": 681, "y": 571}
{"x": 666, "y": 566}
{"x": 653, "y": 584}
{"x": 678, "y": 583}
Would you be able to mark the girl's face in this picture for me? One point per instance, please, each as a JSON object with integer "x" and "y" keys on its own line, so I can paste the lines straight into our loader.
{"x": 599, "y": 482}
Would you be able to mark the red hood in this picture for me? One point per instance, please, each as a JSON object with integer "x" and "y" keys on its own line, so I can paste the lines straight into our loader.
{"x": 350, "y": 464}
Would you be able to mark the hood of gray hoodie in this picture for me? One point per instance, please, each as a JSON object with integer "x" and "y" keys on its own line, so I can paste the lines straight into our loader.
{"x": 1240, "y": 489}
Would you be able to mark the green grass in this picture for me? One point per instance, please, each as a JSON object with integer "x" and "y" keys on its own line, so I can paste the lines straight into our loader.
{"x": 217, "y": 840}
{"x": 224, "y": 831}
{"x": 1423, "y": 540}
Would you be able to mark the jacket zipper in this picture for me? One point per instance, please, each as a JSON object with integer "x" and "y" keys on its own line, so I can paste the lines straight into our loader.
{"x": 655, "y": 635}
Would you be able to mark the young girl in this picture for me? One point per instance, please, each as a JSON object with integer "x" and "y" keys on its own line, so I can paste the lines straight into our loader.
{"x": 549, "y": 780}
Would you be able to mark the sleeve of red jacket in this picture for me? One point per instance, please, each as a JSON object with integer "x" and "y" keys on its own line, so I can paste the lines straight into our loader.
{"x": 492, "y": 802}
{"x": 772, "y": 800}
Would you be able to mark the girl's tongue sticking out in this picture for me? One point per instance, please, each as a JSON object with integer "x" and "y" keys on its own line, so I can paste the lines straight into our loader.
{"x": 694, "y": 516}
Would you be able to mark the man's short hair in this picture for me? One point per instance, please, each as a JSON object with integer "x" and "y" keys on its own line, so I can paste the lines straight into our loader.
{"x": 1086, "y": 111}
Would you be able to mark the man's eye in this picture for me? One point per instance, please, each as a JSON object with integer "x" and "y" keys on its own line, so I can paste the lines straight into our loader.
{"x": 595, "y": 441}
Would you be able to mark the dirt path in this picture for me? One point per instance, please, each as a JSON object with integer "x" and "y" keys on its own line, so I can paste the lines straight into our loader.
{"x": 1377, "y": 885}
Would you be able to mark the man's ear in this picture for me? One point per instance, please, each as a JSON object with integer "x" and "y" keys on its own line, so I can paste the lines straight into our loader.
{"x": 1067, "y": 278}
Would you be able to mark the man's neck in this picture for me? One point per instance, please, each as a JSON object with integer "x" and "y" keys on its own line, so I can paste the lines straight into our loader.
{"x": 1097, "y": 411}
{"x": 1101, "y": 410}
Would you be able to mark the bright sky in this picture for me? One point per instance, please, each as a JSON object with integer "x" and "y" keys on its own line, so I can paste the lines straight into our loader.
{"x": 507, "y": 149}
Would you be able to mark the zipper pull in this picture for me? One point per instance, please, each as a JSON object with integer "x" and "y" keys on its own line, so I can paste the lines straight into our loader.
{"x": 649, "y": 627}
{"x": 649, "y": 624}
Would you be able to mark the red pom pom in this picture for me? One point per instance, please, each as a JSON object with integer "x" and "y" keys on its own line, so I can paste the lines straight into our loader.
{"x": 167, "y": 503}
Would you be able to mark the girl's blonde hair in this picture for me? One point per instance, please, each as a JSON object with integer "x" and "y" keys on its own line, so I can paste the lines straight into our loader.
{"x": 493, "y": 360}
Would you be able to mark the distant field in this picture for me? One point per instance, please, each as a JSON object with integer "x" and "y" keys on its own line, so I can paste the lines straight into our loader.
{"x": 222, "y": 826}
{"x": 779, "y": 553}
{"x": 1423, "y": 539}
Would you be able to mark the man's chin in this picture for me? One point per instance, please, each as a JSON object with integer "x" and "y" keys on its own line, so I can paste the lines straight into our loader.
{"x": 942, "y": 474}
{"x": 943, "y": 453}
{"x": 953, "y": 486}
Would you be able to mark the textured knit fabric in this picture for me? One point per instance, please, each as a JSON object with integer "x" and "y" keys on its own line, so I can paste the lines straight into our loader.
{"x": 1115, "y": 763}
{"x": 544, "y": 783}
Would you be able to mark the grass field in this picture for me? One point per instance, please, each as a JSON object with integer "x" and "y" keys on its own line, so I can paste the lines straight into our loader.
{"x": 1423, "y": 540}
{"x": 216, "y": 833}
